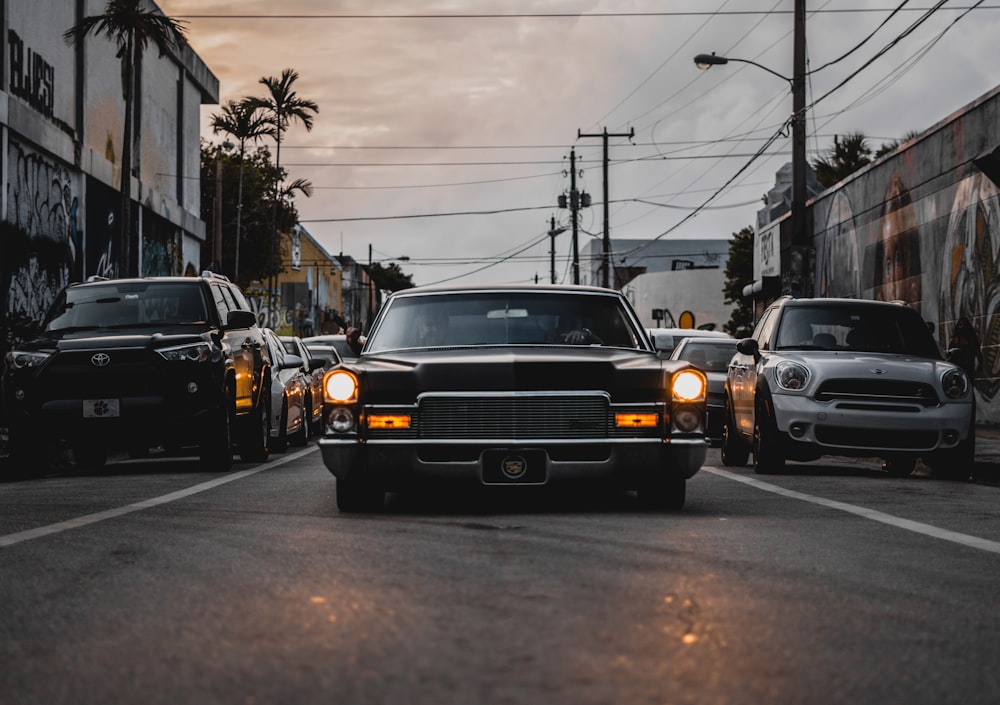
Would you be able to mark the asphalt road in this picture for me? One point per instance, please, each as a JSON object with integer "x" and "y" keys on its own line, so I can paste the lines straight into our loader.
{"x": 833, "y": 583}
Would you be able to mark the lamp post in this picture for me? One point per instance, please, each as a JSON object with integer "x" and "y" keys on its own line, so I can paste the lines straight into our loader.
{"x": 800, "y": 236}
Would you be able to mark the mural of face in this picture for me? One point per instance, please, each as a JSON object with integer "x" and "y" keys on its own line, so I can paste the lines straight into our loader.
{"x": 897, "y": 251}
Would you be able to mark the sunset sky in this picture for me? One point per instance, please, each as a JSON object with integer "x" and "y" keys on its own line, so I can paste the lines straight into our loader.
{"x": 444, "y": 128}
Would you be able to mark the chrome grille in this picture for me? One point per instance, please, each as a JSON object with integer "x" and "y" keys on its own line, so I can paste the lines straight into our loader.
{"x": 523, "y": 417}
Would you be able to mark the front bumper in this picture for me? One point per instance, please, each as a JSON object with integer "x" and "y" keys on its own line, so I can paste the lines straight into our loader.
{"x": 402, "y": 464}
{"x": 832, "y": 429}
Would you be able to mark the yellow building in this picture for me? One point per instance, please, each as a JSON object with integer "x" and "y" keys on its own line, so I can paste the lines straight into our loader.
{"x": 310, "y": 288}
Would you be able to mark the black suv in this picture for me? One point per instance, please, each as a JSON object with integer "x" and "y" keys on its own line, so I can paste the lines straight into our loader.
{"x": 134, "y": 364}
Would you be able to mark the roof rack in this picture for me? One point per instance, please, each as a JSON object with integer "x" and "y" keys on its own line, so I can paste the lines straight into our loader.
{"x": 212, "y": 275}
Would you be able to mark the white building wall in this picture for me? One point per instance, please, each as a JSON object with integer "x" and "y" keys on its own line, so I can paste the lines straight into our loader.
{"x": 697, "y": 291}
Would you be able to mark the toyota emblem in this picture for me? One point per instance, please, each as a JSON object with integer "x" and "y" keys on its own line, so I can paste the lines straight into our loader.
{"x": 100, "y": 360}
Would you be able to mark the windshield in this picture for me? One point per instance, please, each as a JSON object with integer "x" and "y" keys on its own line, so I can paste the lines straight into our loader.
{"x": 125, "y": 305}
{"x": 504, "y": 318}
{"x": 884, "y": 329}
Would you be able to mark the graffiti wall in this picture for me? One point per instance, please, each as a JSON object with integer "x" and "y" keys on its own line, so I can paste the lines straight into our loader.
{"x": 923, "y": 226}
{"x": 42, "y": 240}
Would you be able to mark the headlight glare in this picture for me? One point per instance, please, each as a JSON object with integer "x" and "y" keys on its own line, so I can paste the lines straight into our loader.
{"x": 688, "y": 385}
{"x": 791, "y": 375}
{"x": 340, "y": 387}
{"x": 955, "y": 383}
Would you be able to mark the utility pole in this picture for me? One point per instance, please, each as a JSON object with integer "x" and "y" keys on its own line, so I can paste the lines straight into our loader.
{"x": 553, "y": 231}
{"x": 606, "y": 256}
{"x": 574, "y": 202}
{"x": 800, "y": 232}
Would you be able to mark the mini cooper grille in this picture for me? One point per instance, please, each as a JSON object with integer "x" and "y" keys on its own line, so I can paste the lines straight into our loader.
{"x": 877, "y": 391}
{"x": 514, "y": 417}
{"x": 876, "y": 438}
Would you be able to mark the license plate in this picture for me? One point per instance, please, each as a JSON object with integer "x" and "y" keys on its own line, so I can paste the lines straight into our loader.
{"x": 100, "y": 408}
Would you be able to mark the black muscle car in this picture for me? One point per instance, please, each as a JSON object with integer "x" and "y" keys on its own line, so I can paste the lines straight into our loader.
{"x": 511, "y": 385}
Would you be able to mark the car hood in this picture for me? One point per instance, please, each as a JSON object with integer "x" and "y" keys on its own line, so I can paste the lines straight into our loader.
{"x": 627, "y": 375}
{"x": 116, "y": 338}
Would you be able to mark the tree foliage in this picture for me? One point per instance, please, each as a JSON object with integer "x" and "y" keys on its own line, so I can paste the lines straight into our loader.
{"x": 389, "y": 277}
{"x": 258, "y": 257}
{"x": 848, "y": 154}
{"x": 739, "y": 273}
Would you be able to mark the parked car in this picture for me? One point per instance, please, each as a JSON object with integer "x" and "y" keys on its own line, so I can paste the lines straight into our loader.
{"x": 711, "y": 355}
{"x": 313, "y": 368}
{"x": 325, "y": 352}
{"x": 508, "y": 386}
{"x": 289, "y": 390}
{"x": 666, "y": 339}
{"x": 138, "y": 363}
{"x": 337, "y": 342}
{"x": 847, "y": 377}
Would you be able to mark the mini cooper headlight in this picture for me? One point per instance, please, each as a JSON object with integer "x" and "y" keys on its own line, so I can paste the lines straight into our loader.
{"x": 340, "y": 387}
{"x": 194, "y": 352}
{"x": 955, "y": 383}
{"x": 791, "y": 375}
{"x": 19, "y": 359}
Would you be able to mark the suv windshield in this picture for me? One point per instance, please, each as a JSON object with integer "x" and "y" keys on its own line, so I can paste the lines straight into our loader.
{"x": 123, "y": 305}
{"x": 503, "y": 318}
{"x": 883, "y": 329}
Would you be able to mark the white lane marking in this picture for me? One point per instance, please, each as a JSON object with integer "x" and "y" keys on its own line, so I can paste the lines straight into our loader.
{"x": 48, "y": 530}
{"x": 874, "y": 515}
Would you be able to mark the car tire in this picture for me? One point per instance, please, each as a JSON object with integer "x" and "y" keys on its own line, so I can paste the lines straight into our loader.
{"x": 359, "y": 495}
{"x": 280, "y": 444}
{"x": 900, "y": 465}
{"x": 734, "y": 451}
{"x": 664, "y": 494}
{"x": 255, "y": 438}
{"x": 956, "y": 463}
{"x": 768, "y": 452}
{"x": 215, "y": 452}
{"x": 301, "y": 437}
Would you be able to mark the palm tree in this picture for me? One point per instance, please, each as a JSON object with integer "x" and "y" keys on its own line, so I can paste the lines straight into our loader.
{"x": 848, "y": 154}
{"x": 244, "y": 121}
{"x": 132, "y": 28}
{"x": 282, "y": 105}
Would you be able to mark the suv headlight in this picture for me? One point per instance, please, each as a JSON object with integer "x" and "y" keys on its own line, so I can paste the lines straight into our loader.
{"x": 19, "y": 359}
{"x": 791, "y": 375}
{"x": 194, "y": 352}
{"x": 955, "y": 383}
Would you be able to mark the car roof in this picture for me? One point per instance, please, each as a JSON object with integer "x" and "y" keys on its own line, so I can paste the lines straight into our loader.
{"x": 533, "y": 288}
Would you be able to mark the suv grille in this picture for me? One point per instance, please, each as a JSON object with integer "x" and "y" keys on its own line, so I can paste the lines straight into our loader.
{"x": 71, "y": 375}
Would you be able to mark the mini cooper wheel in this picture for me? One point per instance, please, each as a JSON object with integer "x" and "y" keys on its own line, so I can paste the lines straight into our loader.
{"x": 768, "y": 453}
{"x": 359, "y": 495}
{"x": 734, "y": 450}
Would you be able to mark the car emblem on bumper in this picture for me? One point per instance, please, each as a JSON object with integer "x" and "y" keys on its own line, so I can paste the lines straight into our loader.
{"x": 100, "y": 360}
{"x": 513, "y": 466}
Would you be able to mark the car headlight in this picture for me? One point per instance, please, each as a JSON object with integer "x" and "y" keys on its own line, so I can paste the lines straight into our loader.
{"x": 688, "y": 385}
{"x": 791, "y": 375}
{"x": 20, "y": 359}
{"x": 194, "y": 352}
{"x": 955, "y": 383}
{"x": 340, "y": 387}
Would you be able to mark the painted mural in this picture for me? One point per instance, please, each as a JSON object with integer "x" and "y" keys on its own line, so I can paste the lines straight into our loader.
{"x": 925, "y": 233}
{"x": 41, "y": 240}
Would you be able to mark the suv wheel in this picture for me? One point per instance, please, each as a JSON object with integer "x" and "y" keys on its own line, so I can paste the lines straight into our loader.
{"x": 768, "y": 453}
{"x": 215, "y": 452}
{"x": 256, "y": 433}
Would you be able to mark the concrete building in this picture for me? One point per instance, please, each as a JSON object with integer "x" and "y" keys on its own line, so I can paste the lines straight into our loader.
{"x": 61, "y": 129}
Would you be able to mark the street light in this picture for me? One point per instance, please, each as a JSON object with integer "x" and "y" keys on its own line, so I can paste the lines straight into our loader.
{"x": 800, "y": 236}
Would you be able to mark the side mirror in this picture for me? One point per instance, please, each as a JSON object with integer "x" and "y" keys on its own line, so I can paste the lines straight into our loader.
{"x": 242, "y": 319}
{"x": 748, "y": 346}
{"x": 292, "y": 362}
{"x": 318, "y": 363}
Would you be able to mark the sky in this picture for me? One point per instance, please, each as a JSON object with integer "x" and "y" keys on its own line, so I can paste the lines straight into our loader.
{"x": 445, "y": 127}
